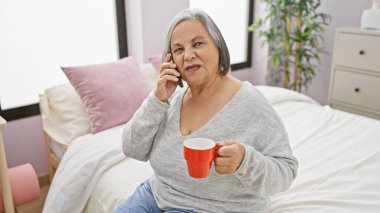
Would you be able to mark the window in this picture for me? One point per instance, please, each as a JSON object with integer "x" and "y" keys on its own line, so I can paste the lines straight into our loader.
{"x": 37, "y": 37}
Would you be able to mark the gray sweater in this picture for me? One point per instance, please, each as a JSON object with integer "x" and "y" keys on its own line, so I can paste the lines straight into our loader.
{"x": 268, "y": 166}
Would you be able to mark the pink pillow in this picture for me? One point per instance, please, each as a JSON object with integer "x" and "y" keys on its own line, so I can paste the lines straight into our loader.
{"x": 111, "y": 92}
{"x": 156, "y": 60}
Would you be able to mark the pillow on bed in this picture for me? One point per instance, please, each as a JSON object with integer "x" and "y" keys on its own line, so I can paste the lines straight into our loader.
{"x": 150, "y": 74}
{"x": 111, "y": 92}
{"x": 63, "y": 114}
{"x": 156, "y": 60}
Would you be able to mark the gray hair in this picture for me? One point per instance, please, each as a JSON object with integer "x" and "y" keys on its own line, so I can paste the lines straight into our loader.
{"x": 208, "y": 23}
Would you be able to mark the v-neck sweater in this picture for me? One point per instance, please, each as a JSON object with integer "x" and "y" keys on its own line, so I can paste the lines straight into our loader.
{"x": 268, "y": 166}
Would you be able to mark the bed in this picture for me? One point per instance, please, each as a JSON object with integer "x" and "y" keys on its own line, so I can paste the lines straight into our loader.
{"x": 338, "y": 153}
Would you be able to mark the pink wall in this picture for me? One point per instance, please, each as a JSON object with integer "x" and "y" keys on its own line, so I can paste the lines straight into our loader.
{"x": 147, "y": 22}
{"x": 24, "y": 140}
{"x": 156, "y": 21}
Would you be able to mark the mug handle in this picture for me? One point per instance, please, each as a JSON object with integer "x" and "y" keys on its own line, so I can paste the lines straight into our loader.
{"x": 216, "y": 148}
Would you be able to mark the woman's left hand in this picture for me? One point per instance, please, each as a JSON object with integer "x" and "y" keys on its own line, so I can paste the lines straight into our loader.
{"x": 231, "y": 155}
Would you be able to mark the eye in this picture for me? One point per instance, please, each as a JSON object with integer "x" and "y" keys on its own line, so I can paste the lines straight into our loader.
{"x": 197, "y": 44}
{"x": 178, "y": 50}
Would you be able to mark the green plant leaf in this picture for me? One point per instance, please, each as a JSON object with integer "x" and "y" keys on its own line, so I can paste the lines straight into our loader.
{"x": 298, "y": 47}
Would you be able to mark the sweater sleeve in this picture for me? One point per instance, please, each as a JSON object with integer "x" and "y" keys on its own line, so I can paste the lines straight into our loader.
{"x": 140, "y": 131}
{"x": 270, "y": 167}
{"x": 266, "y": 175}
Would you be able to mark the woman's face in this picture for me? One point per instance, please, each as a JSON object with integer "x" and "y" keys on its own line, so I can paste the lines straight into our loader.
{"x": 194, "y": 52}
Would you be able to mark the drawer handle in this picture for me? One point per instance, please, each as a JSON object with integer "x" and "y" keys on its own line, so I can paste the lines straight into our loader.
{"x": 361, "y": 52}
{"x": 357, "y": 89}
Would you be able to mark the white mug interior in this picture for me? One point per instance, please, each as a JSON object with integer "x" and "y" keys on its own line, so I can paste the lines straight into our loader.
{"x": 199, "y": 143}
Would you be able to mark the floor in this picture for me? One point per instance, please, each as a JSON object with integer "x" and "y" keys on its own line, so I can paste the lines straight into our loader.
{"x": 35, "y": 206}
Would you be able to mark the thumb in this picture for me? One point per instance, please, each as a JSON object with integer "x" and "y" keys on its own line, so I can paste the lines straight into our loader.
{"x": 225, "y": 142}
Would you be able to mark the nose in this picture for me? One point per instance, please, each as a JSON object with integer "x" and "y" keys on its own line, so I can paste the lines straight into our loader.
{"x": 189, "y": 54}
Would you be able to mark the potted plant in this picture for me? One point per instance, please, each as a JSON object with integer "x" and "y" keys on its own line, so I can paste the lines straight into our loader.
{"x": 293, "y": 31}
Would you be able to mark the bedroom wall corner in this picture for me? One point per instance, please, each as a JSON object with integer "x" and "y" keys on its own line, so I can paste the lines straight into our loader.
{"x": 259, "y": 51}
{"x": 257, "y": 72}
{"x": 135, "y": 42}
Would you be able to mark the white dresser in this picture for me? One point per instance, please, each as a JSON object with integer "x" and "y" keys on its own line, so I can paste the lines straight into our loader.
{"x": 355, "y": 74}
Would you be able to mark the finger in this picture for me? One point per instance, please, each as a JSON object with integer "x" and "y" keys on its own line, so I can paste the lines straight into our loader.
{"x": 226, "y": 142}
{"x": 223, "y": 161}
{"x": 170, "y": 72}
{"x": 227, "y": 151}
{"x": 223, "y": 169}
{"x": 164, "y": 79}
{"x": 167, "y": 65}
{"x": 168, "y": 57}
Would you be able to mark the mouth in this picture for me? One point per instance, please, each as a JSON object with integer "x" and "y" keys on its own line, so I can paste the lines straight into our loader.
{"x": 192, "y": 67}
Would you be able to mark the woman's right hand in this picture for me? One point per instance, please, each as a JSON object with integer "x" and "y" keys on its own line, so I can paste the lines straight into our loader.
{"x": 168, "y": 80}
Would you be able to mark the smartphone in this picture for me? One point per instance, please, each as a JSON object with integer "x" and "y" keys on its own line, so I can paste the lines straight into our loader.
{"x": 180, "y": 83}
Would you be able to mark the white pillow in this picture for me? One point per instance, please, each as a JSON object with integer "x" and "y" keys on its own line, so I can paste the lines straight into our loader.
{"x": 150, "y": 73}
{"x": 63, "y": 114}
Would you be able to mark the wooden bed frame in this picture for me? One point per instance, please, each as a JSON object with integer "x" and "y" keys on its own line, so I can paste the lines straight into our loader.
{"x": 53, "y": 160}
{"x": 4, "y": 178}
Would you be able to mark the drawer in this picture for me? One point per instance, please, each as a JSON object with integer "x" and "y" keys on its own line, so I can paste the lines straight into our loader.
{"x": 359, "y": 51}
{"x": 375, "y": 115}
{"x": 357, "y": 89}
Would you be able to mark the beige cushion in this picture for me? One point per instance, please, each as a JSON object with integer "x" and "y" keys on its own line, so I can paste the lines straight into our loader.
{"x": 150, "y": 73}
{"x": 63, "y": 114}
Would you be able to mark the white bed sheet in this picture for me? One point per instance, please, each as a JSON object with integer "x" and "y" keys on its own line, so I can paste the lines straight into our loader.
{"x": 338, "y": 153}
{"x": 117, "y": 184}
{"x": 85, "y": 160}
{"x": 339, "y": 160}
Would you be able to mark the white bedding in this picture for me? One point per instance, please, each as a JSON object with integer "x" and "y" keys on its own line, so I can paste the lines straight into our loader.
{"x": 339, "y": 161}
{"x": 338, "y": 153}
{"x": 80, "y": 168}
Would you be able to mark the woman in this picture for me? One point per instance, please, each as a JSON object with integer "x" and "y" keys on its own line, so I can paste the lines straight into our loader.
{"x": 255, "y": 160}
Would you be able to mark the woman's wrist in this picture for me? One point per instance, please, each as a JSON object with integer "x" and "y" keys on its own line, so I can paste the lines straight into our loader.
{"x": 162, "y": 100}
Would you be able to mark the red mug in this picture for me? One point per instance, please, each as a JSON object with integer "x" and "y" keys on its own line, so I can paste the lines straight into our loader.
{"x": 199, "y": 154}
